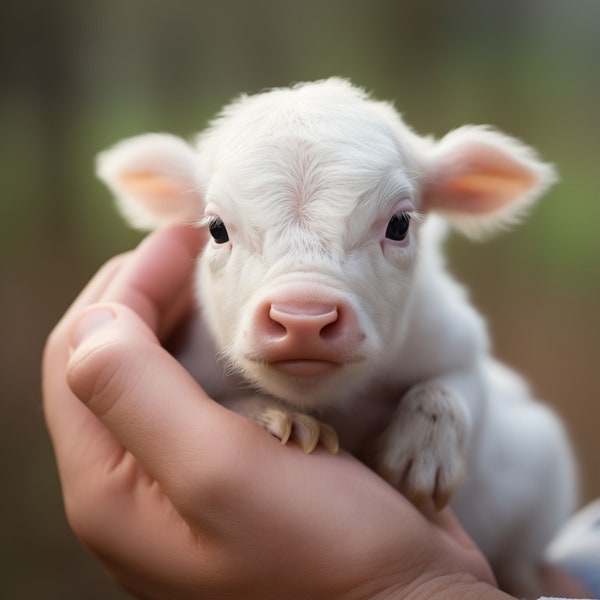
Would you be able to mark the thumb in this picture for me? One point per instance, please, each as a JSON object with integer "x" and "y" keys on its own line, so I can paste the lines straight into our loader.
{"x": 149, "y": 402}
{"x": 102, "y": 341}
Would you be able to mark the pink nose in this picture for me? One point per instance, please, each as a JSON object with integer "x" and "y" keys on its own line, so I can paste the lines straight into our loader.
{"x": 306, "y": 323}
{"x": 288, "y": 329}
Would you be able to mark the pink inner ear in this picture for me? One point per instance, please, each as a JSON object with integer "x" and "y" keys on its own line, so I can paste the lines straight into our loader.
{"x": 157, "y": 193}
{"x": 483, "y": 191}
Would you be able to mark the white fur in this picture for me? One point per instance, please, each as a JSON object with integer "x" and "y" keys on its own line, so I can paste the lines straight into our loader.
{"x": 305, "y": 180}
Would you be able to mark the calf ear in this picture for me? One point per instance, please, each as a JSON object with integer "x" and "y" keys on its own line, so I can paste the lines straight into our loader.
{"x": 481, "y": 180}
{"x": 154, "y": 179}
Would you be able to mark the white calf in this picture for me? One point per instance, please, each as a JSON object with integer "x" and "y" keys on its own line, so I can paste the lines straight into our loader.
{"x": 324, "y": 287}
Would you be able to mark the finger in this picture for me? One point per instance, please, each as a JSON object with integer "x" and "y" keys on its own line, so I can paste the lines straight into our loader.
{"x": 157, "y": 282}
{"x": 153, "y": 278}
{"x": 148, "y": 401}
{"x": 68, "y": 421}
{"x": 56, "y": 348}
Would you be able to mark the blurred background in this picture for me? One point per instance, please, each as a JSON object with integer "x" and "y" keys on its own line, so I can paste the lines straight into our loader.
{"x": 78, "y": 76}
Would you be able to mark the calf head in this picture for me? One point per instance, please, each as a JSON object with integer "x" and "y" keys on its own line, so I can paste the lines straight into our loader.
{"x": 314, "y": 197}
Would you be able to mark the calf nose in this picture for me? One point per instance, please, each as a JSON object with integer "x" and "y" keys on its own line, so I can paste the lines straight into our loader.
{"x": 305, "y": 322}
{"x": 290, "y": 327}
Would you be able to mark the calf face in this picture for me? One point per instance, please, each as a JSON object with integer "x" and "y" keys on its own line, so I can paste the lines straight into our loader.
{"x": 314, "y": 197}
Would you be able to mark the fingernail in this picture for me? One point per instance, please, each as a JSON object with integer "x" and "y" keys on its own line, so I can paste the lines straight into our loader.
{"x": 89, "y": 322}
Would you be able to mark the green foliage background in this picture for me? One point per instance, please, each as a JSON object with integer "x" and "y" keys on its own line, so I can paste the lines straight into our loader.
{"x": 76, "y": 76}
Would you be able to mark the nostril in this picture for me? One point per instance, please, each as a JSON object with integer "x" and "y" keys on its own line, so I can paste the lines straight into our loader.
{"x": 302, "y": 319}
{"x": 331, "y": 330}
{"x": 276, "y": 329}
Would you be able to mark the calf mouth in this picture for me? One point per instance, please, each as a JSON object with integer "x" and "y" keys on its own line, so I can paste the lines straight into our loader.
{"x": 305, "y": 367}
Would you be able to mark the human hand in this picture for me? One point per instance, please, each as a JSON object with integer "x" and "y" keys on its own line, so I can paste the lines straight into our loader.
{"x": 179, "y": 497}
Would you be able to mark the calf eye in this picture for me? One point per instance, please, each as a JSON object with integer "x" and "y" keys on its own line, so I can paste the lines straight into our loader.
{"x": 397, "y": 228}
{"x": 218, "y": 230}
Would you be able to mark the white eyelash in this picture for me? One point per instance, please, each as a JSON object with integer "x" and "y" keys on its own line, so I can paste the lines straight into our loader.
{"x": 206, "y": 221}
{"x": 413, "y": 215}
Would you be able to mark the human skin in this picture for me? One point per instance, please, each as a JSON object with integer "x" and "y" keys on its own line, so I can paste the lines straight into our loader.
{"x": 179, "y": 497}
